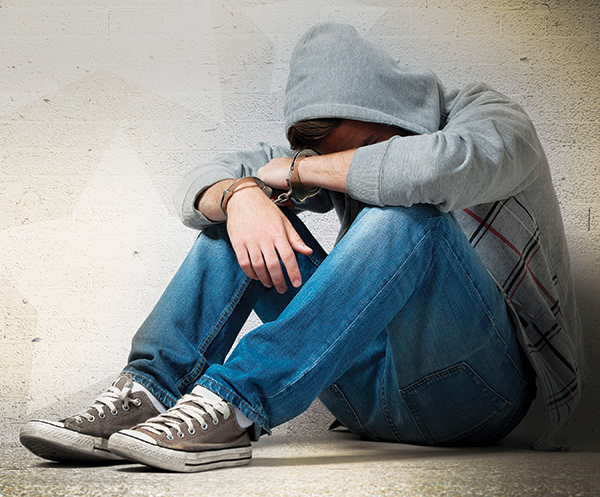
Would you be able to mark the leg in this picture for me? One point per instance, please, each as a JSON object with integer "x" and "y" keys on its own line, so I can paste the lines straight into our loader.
{"x": 448, "y": 369}
{"x": 406, "y": 263}
{"x": 193, "y": 325}
{"x": 202, "y": 311}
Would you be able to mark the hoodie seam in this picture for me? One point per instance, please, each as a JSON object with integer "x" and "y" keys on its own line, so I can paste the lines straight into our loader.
{"x": 381, "y": 173}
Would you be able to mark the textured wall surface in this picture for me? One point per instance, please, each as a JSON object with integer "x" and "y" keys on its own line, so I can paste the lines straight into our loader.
{"x": 104, "y": 104}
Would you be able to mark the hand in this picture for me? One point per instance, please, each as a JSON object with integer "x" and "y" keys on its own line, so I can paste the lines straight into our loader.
{"x": 260, "y": 235}
{"x": 275, "y": 173}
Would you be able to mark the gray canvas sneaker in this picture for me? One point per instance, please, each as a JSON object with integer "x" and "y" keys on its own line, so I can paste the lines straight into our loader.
{"x": 197, "y": 434}
{"x": 84, "y": 436}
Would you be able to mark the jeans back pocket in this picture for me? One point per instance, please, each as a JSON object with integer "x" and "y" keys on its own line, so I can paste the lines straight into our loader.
{"x": 452, "y": 404}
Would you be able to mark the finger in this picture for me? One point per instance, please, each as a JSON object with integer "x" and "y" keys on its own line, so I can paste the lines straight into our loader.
{"x": 244, "y": 261}
{"x": 295, "y": 241}
{"x": 288, "y": 257}
{"x": 258, "y": 265}
{"x": 275, "y": 271}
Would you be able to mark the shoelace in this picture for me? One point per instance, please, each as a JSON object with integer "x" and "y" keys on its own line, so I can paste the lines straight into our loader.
{"x": 190, "y": 407}
{"x": 108, "y": 399}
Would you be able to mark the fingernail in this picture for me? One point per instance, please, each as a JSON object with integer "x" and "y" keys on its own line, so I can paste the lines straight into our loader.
{"x": 297, "y": 283}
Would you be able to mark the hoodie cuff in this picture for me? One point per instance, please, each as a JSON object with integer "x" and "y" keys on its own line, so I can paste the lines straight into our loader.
{"x": 363, "y": 181}
{"x": 188, "y": 191}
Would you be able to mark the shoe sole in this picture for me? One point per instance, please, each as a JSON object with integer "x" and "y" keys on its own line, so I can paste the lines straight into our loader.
{"x": 54, "y": 443}
{"x": 139, "y": 451}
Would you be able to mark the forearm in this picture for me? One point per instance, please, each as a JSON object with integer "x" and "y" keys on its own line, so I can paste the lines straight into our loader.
{"x": 327, "y": 171}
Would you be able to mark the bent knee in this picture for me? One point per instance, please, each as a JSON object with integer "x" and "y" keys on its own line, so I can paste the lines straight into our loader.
{"x": 390, "y": 222}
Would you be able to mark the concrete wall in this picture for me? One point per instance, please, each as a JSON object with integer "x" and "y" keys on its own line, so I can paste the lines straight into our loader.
{"x": 104, "y": 104}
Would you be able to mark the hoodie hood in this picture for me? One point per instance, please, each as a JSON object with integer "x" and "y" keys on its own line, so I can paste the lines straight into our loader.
{"x": 335, "y": 72}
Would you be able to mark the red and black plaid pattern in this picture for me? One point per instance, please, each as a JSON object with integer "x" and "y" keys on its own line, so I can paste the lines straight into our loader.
{"x": 518, "y": 255}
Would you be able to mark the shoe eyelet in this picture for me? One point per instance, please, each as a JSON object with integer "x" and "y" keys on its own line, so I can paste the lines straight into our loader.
{"x": 137, "y": 402}
{"x": 102, "y": 415}
{"x": 204, "y": 426}
{"x": 192, "y": 431}
{"x": 79, "y": 421}
{"x": 215, "y": 422}
{"x": 114, "y": 413}
{"x": 125, "y": 408}
{"x": 92, "y": 419}
{"x": 170, "y": 437}
{"x": 180, "y": 434}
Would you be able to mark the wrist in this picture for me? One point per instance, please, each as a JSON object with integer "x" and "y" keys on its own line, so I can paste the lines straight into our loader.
{"x": 303, "y": 176}
{"x": 208, "y": 201}
{"x": 296, "y": 190}
{"x": 241, "y": 185}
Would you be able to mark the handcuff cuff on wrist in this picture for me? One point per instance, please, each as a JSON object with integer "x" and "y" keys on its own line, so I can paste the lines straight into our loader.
{"x": 296, "y": 192}
{"x": 229, "y": 191}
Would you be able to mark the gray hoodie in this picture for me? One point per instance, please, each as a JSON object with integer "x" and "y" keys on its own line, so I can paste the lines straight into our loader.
{"x": 475, "y": 154}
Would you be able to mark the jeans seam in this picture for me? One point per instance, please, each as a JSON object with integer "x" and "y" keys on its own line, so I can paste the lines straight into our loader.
{"x": 345, "y": 331}
{"x": 386, "y": 411}
{"x": 218, "y": 326}
{"x": 193, "y": 375}
{"x": 486, "y": 310}
{"x": 518, "y": 410}
{"x": 475, "y": 290}
{"x": 348, "y": 406}
{"x": 450, "y": 371}
{"x": 314, "y": 260}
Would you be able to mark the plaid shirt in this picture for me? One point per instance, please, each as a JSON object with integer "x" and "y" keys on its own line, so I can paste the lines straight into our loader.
{"x": 530, "y": 264}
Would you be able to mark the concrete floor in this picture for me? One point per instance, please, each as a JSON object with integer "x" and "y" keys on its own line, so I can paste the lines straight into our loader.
{"x": 335, "y": 463}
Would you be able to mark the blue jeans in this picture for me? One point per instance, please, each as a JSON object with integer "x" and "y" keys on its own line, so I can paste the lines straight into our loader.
{"x": 400, "y": 331}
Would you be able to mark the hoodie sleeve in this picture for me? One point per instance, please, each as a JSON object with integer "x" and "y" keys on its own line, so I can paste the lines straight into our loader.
{"x": 230, "y": 165}
{"x": 486, "y": 150}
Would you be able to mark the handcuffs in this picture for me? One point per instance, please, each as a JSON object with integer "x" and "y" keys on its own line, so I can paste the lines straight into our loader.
{"x": 295, "y": 192}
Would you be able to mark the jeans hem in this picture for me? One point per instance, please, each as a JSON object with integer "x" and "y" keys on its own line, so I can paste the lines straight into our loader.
{"x": 227, "y": 395}
{"x": 161, "y": 395}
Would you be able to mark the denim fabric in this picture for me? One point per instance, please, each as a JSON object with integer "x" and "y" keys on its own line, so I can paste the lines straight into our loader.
{"x": 400, "y": 331}
{"x": 475, "y": 151}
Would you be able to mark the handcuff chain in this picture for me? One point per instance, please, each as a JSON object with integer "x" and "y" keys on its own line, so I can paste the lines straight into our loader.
{"x": 282, "y": 198}
{"x": 285, "y": 196}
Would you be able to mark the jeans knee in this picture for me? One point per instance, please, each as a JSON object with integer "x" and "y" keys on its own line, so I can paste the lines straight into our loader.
{"x": 392, "y": 222}
{"x": 417, "y": 213}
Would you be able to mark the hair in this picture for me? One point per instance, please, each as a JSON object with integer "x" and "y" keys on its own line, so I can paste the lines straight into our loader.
{"x": 310, "y": 133}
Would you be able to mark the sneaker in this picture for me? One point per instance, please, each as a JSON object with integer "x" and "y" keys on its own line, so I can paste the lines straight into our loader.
{"x": 84, "y": 436}
{"x": 197, "y": 434}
